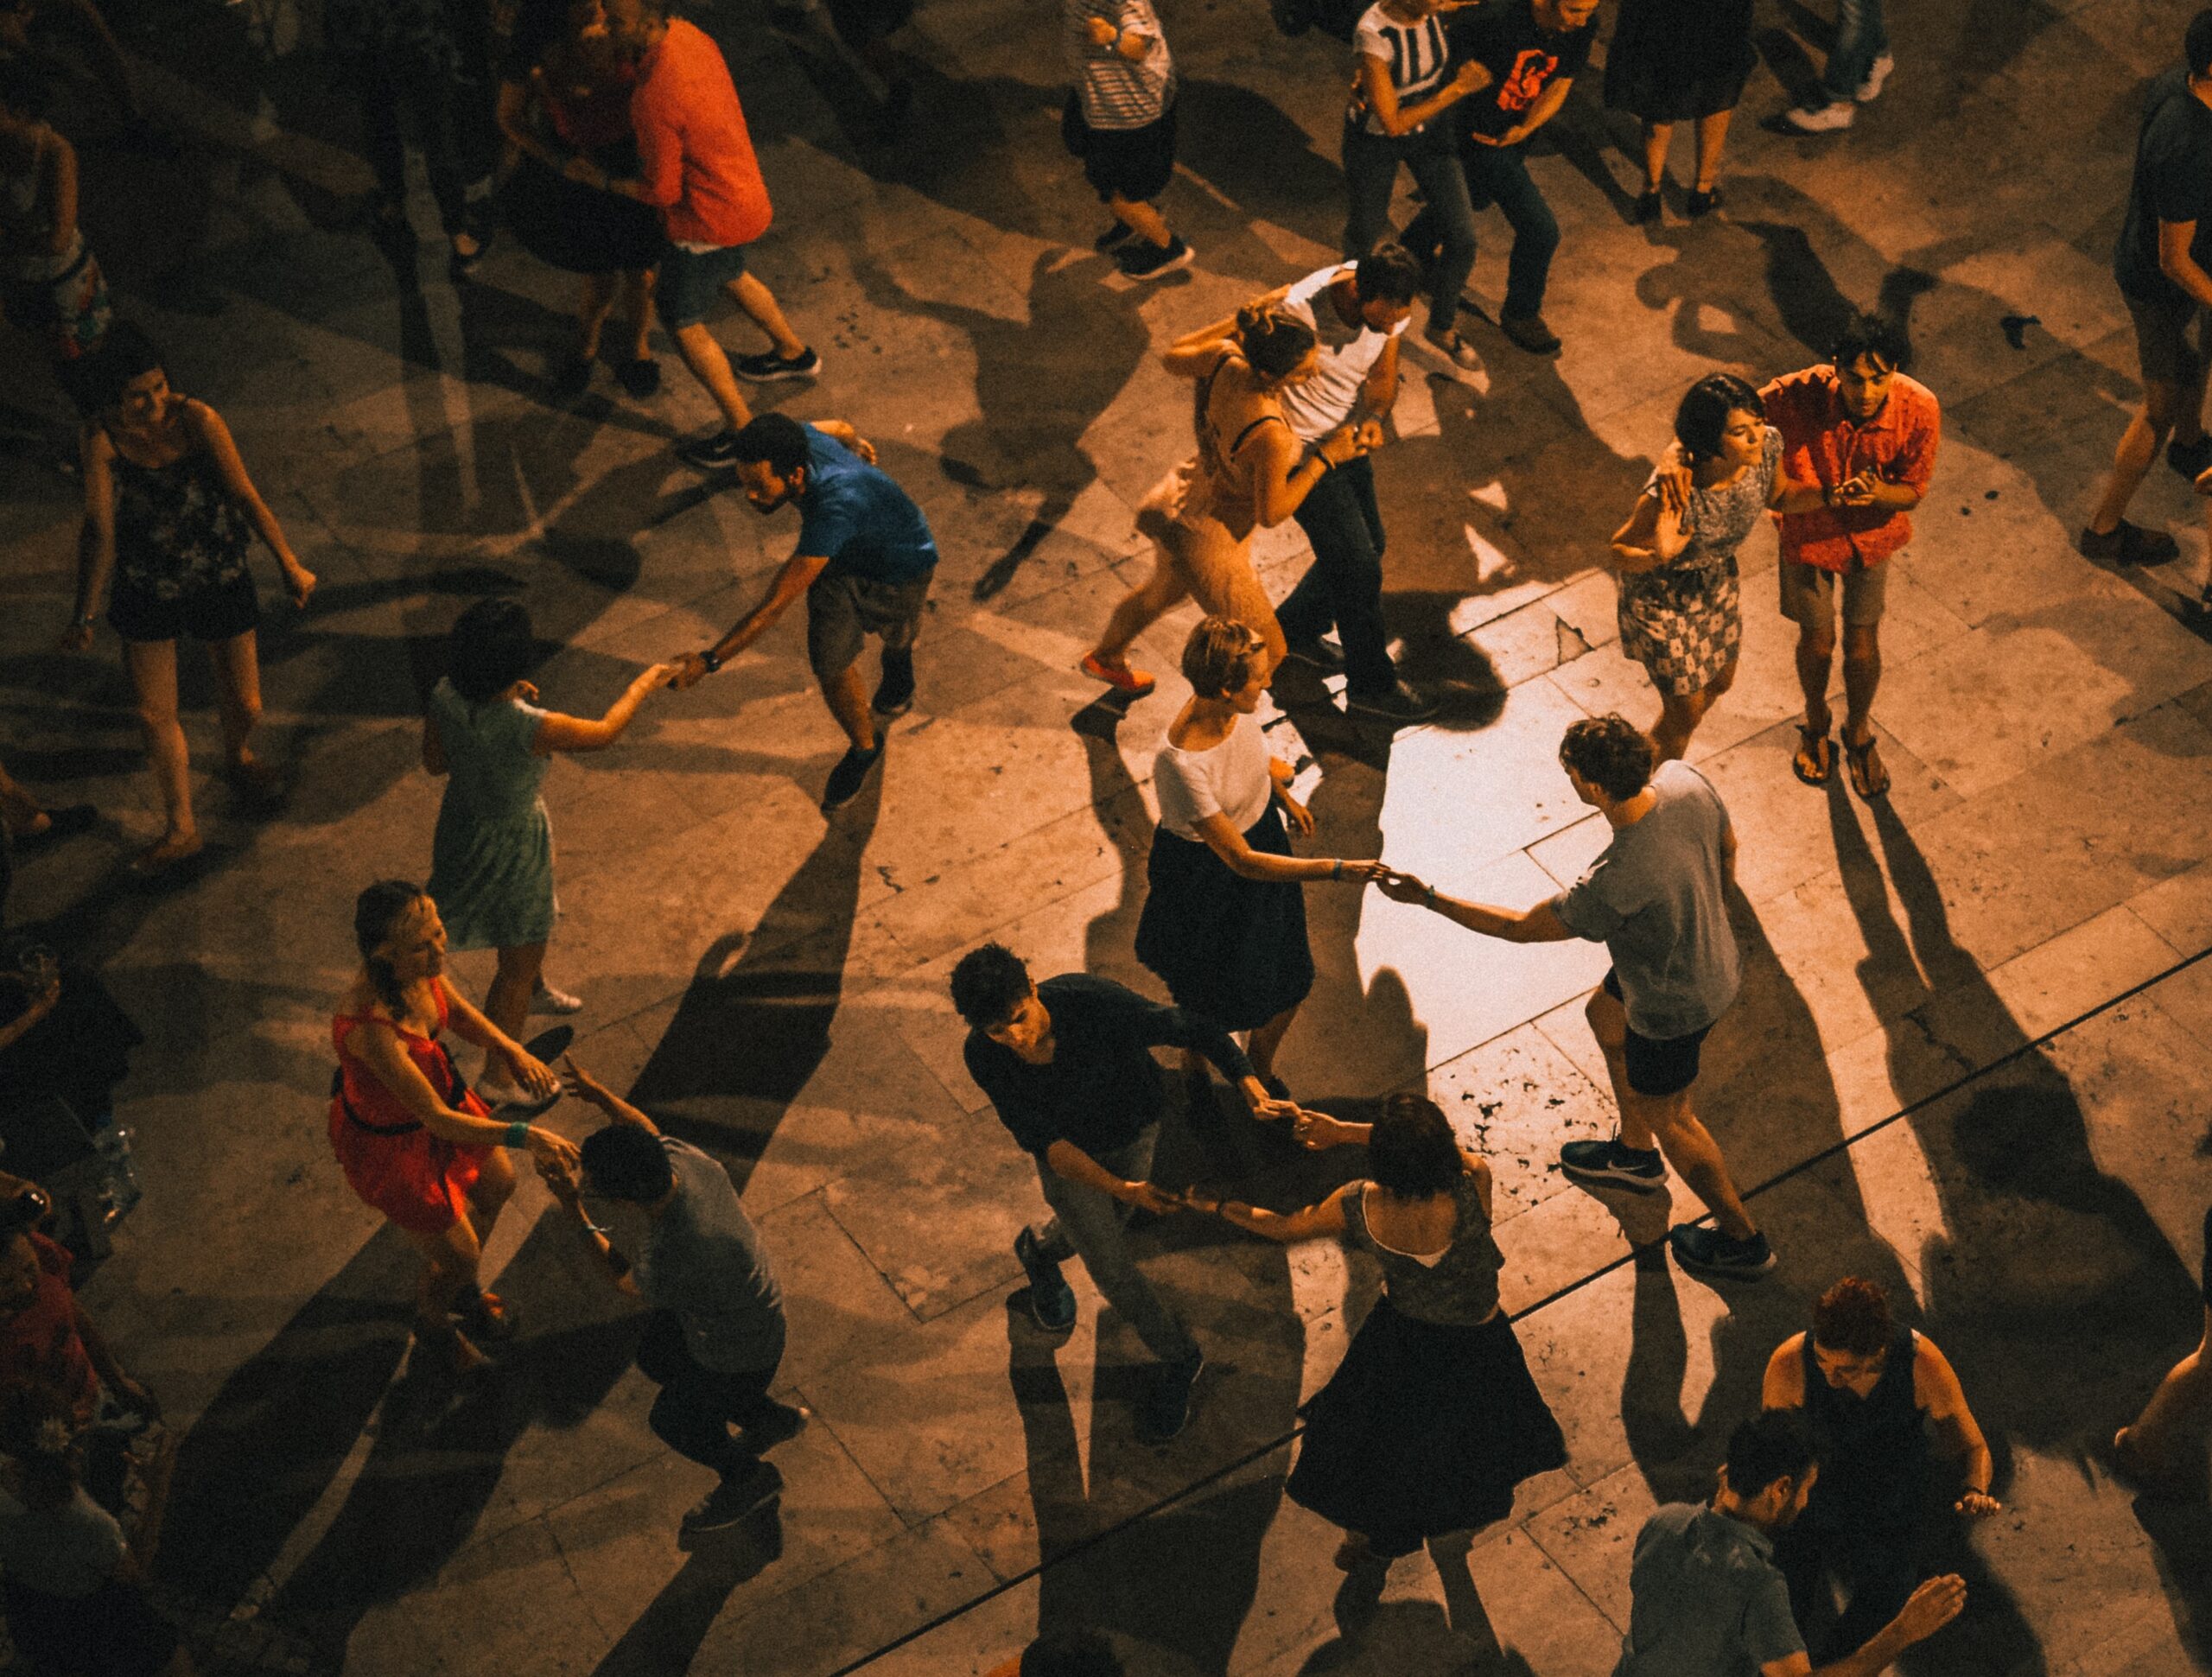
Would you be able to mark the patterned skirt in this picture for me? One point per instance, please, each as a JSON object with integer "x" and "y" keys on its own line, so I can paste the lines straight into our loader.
{"x": 1683, "y": 626}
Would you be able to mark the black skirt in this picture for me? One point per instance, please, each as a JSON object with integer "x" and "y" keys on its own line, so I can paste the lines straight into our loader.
{"x": 1229, "y": 948}
{"x": 1423, "y": 1430}
{"x": 1676, "y": 60}
{"x": 576, "y": 228}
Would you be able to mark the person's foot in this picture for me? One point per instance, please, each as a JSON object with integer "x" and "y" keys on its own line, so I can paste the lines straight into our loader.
{"x": 258, "y": 786}
{"x": 159, "y": 858}
{"x": 1817, "y": 118}
{"x": 1117, "y": 674}
{"x": 1113, "y": 238}
{"x": 788, "y": 1421}
{"x": 1649, "y": 206}
{"x": 850, "y": 774}
{"x": 49, "y": 827}
{"x": 1709, "y": 1253}
{"x": 894, "y": 694}
{"x": 510, "y": 1101}
{"x": 465, "y": 251}
{"x": 1400, "y": 704}
{"x": 1323, "y": 655}
{"x": 2127, "y": 543}
{"x": 559, "y": 1003}
{"x": 1167, "y": 1406}
{"x": 1608, "y": 1164}
{"x": 1530, "y": 333}
{"x": 487, "y": 1318}
{"x": 739, "y": 1496}
{"x": 1877, "y": 73}
{"x": 639, "y": 379}
{"x": 709, "y": 454}
{"x": 1703, "y": 200}
{"x": 447, "y": 1350}
{"x": 1052, "y": 1300}
{"x": 1141, "y": 259}
{"x": 570, "y": 379}
{"x": 768, "y": 366}
{"x": 1452, "y": 347}
{"x": 2189, "y": 458}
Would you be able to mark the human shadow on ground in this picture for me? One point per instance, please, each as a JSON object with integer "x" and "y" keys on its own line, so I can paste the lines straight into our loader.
{"x": 666, "y": 1637}
{"x": 1377, "y": 1638}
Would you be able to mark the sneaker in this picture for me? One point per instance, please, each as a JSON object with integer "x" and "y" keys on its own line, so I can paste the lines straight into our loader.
{"x": 1113, "y": 238}
{"x": 1530, "y": 333}
{"x": 1400, "y": 704}
{"x": 1166, "y": 1406}
{"x": 849, "y": 775}
{"x": 1052, "y": 1300}
{"x": 639, "y": 379}
{"x": 894, "y": 694}
{"x": 1611, "y": 1165}
{"x": 709, "y": 454}
{"x": 1703, "y": 203}
{"x": 1649, "y": 206}
{"x": 2189, "y": 458}
{"x": 767, "y": 367}
{"x": 786, "y": 1423}
{"x": 2126, "y": 543}
{"x": 1709, "y": 1253}
{"x": 752, "y": 1489}
{"x": 1322, "y": 655}
{"x": 1454, "y": 348}
{"x": 1877, "y": 73}
{"x": 1144, "y": 260}
{"x": 1817, "y": 118}
{"x": 547, "y": 999}
{"x": 1119, "y": 676}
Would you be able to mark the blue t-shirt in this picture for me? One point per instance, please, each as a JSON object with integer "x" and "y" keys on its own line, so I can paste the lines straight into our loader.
{"x": 859, "y": 520}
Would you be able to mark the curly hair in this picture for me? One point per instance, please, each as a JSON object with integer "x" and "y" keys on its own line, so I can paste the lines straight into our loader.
{"x": 1852, "y": 1317}
{"x": 1611, "y": 753}
{"x": 988, "y": 985}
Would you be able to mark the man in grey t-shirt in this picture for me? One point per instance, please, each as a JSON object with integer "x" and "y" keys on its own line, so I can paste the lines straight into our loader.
{"x": 1657, "y": 899}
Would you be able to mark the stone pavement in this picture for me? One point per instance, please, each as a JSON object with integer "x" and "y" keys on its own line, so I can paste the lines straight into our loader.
{"x": 1970, "y": 1059}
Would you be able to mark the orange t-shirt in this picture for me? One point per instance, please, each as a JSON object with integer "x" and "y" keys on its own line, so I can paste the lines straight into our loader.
{"x": 697, "y": 156}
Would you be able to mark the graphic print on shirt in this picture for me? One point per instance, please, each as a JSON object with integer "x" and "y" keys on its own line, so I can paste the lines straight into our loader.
{"x": 1526, "y": 80}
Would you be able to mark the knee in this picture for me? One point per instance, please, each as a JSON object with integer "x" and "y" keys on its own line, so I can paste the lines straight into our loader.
{"x": 244, "y": 709}
{"x": 1817, "y": 645}
{"x": 157, "y": 718}
{"x": 1861, "y": 645}
{"x": 1604, "y": 1015}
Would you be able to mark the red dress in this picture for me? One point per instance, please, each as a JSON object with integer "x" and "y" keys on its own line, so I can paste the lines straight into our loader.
{"x": 419, "y": 1180}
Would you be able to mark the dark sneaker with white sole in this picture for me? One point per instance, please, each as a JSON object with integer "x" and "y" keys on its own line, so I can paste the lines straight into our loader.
{"x": 735, "y": 1499}
{"x": 767, "y": 367}
{"x": 1167, "y": 1407}
{"x": 709, "y": 454}
{"x": 849, "y": 775}
{"x": 1718, "y": 1257}
{"x": 894, "y": 694}
{"x": 1052, "y": 1300}
{"x": 1400, "y": 704}
{"x": 1609, "y": 1164}
{"x": 1141, "y": 259}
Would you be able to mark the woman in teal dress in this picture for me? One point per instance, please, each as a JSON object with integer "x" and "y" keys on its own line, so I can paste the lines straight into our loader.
{"x": 491, "y": 862}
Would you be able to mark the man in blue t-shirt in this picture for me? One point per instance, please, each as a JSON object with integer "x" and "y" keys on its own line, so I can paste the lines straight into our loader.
{"x": 864, "y": 562}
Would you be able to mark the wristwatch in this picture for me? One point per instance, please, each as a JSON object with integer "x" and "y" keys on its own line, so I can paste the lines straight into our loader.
{"x": 710, "y": 660}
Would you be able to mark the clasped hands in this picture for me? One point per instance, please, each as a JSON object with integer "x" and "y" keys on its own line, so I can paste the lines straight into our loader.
{"x": 1316, "y": 1131}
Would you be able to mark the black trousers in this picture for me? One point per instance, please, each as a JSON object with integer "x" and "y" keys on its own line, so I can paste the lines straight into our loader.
{"x": 697, "y": 1405}
{"x": 1877, "y": 1566}
{"x": 1343, "y": 588}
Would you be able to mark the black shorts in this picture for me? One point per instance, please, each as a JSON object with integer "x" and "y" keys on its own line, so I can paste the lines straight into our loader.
{"x": 222, "y": 611}
{"x": 1658, "y": 1066}
{"x": 1133, "y": 164}
{"x": 2168, "y": 336}
{"x": 842, "y": 610}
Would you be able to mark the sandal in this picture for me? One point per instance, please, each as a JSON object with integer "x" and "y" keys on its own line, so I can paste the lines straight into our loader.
{"x": 1869, "y": 779}
{"x": 1813, "y": 761}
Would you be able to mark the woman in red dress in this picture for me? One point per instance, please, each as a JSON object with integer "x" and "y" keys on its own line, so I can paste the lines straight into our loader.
{"x": 414, "y": 1141}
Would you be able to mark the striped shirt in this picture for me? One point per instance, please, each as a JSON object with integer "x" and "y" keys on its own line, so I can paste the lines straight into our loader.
{"x": 1413, "y": 54}
{"x": 1118, "y": 92}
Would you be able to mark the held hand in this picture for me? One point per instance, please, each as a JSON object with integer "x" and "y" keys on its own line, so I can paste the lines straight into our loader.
{"x": 575, "y": 1081}
{"x": 1269, "y": 1109}
{"x": 1978, "y": 1505}
{"x": 1858, "y": 490}
{"x": 659, "y": 676}
{"x": 865, "y": 449}
{"x": 76, "y": 638}
{"x": 1470, "y": 78}
{"x": 1934, "y": 1605}
{"x": 527, "y": 691}
{"x": 300, "y": 582}
{"x": 1102, "y": 33}
{"x": 689, "y": 670}
{"x": 1368, "y": 434}
{"x": 1317, "y": 1131}
{"x": 561, "y": 1177}
{"x": 1197, "y": 1199}
{"x": 553, "y": 1152}
{"x": 1148, "y": 1198}
{"x": 1339, "y": 446}
{"x": 1367, "y": 872}
{"x": 1675, "y": 484}
{"x": 1403, "y": 888}
{"x": 1301, "y": 817}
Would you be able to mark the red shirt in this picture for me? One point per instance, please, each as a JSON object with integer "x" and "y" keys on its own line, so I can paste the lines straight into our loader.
{"x": 1822, "y": 444}
{"x": 40, "y": 1346}
{"x": 698, "y": 162}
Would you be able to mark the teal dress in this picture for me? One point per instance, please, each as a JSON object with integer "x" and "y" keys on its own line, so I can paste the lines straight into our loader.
{"x": 491, "y": 862}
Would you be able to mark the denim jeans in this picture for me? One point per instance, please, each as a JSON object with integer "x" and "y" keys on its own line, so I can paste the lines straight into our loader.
{"x": 1343, "y": 588}
{"x": 1499, "y": 174}
{"x": 697, "y": 1405}
{"x": 1861, "y": 37}
{"x": 1371, "y": 171}
{"x": 1087, "y": 1224}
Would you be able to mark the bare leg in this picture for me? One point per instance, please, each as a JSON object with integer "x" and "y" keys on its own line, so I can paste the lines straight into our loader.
{"x": 238, "y": 684}
{"x": 1141, "y": 608}
{"x": 592, "y": 309}
{"x": 2184, "y": 1400}
{"x": 495, "y": 1186}
{"x": 636, "y": 289}
{"x": 846, "y": 696}
{"x": 1681, "y": 713}
{"x": 1268, "y": 1040}
{"x": 760, "y": 306}
{"x": 1712, "y": 134}
{"x": 1142, "y": 219}
{"x": 1657, "y": 137}
{"x": 2175, "y": 410}
{"x": 449, "y": 1277}
{"x": 152, "y": 664}
{"x": 1862, "y": 674}
{"x": 1816, "y": 652}
{"x": 1665, "y": 1121}
{"x": 702, "y": 353}
{"x": 506, "y": 1004}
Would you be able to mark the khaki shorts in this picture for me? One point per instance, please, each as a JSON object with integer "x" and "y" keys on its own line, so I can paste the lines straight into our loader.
{"x": 1808, "y": 594}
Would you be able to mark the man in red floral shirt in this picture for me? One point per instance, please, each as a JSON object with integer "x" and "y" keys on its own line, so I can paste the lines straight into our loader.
{"x": 1862, "y": 436}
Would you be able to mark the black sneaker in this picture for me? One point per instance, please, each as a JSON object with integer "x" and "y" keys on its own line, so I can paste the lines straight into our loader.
{"x": 734, "y": 1499}
{"x": 1530, "y": 333}
{"x": 1166, "y": 1406}
{"x": 1329, "y": 660}
{"x": 2127, "y": 543}
{"x": 786, "y": 1423}
{"x": 2190, "y": 459}
{"x": 849, "y": 775}
{"x": 1400, "y": 704}
{"x": 1709, "y": 1253}
{"x": 709, "y": 454}
{"x": 1052, "y": 1300}
{"x": 767, "y": 367}
{"x": 1113, "y": 238}
{"x": 640, "y": 377}
{"x": 894, "y": 694}
{"x": 1143, "y": 260}
{"x": 1609, "y": 1164}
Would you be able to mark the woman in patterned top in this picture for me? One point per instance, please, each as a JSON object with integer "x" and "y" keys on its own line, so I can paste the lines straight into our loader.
{"x": 1681, "y": 613}
{"x": 168, "y": 513}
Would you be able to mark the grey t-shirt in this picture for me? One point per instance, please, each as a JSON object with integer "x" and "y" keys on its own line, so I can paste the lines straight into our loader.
{"x": 1709, "y": 1601}
{"x": 1656, "y": 899}
{"x": 703, "y": 1260}
{"x": 67, "y": 1551}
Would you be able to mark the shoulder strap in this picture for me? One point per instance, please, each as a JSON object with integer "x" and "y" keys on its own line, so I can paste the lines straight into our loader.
{"x": 1254, "y": 426}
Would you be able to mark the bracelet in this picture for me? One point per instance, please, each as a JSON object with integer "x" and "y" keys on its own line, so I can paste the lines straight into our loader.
{"x": 1337, "y": 869}
{"x": 518, "y": 1135}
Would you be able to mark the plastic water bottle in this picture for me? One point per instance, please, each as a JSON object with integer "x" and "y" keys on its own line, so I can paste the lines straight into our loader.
{"x": 114, "y": 1143}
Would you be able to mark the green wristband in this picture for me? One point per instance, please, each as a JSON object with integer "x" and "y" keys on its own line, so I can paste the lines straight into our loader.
{"x": 518, "y": 1135}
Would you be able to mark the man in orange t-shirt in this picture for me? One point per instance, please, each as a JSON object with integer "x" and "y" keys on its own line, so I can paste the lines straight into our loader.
{"x": 698, "y": 169}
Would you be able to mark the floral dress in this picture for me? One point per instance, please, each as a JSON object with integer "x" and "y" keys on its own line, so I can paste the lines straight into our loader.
{"x": 1684, "y": 621}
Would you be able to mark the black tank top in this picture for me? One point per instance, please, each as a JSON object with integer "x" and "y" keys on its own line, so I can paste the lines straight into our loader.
{"x": 1873, "y": 1450}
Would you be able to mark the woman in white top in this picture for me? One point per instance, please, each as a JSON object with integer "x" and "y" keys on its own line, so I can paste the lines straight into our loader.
{"x": 1398, "y": 89}
{"x": 1224, "y": 921}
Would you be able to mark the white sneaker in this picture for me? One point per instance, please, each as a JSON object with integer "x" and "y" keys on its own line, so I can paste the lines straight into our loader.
{"x": 547, "y": 999}
{"x": 1820, "y": 120}
{"x": 1876, "y": 73}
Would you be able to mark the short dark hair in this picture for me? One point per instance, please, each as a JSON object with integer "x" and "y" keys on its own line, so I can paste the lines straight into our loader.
{"x": 1070, "y": 1654}
{"x": 490, "y": 648}
{"x": 96, "y": 381}
{"x": 1881, "y": 336}
{"x": 1611, "y": 753}
{"x": 1411, "y": 1151}
{"x": 624, "y": 1162}
{"x": 1852, "y": 1317}
{"x": 1703, "y": 414}
{"x": 2196, "y": 44}
{"x": 988, "y": 985}
{"x": 778, "y": 439}
{"x": 1387, "y": 273}
{"x": 1771, "y": 1445}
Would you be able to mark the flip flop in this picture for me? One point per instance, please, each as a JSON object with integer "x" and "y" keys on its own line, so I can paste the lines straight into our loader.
{"x": 1870, "y": 778}
{"x": 1819, "y": 749}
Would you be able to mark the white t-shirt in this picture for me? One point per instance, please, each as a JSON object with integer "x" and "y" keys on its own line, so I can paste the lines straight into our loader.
{"x": 1316, "y": 406}
{"x": 1230, "y": 780}
{"x": 1413, "y": 54}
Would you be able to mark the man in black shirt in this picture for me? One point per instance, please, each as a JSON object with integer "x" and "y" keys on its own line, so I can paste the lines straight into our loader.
{"x": 1530, "y": 52}
{"x": 2164, "y": 265}
{"x": 1068, "y": 1064}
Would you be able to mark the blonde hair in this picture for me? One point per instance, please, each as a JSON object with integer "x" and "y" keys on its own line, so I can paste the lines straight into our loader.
{"x": 1219, "y": 656}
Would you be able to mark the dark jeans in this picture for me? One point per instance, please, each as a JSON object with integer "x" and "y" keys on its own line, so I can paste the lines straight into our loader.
{"x": 1878, "y": 1568}
{"x": 1371, "y": 171}
{"x": 697, "y": 1405}
{"x": 1499, "y": 176}
{"x": 439, "y": 109}
{"x": 1343, "y": 588}
{"x": 1090, "y": 1224}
